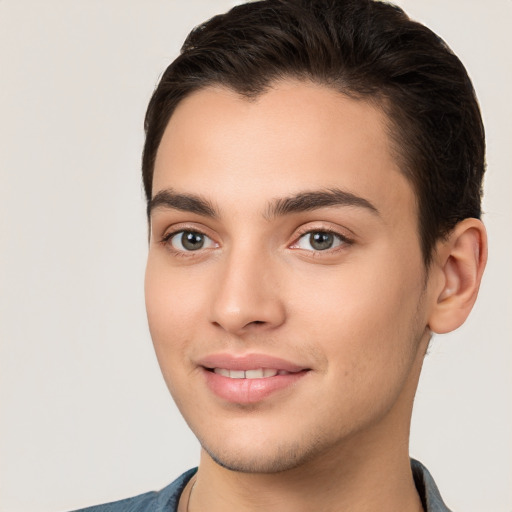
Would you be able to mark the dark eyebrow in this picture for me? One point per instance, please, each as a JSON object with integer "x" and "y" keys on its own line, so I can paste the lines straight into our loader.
{"x": 192, "y": 203}
{"x": 313, "y": 200}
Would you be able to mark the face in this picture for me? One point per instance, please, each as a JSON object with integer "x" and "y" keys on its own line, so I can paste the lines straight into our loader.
{"x": 285, "y": 287}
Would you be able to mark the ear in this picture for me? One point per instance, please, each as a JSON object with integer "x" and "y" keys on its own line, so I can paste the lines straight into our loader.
{"x": 459, "y": 261}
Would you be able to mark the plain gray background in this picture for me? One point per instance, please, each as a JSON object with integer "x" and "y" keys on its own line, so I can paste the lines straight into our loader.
{"x": 85, "y": 415}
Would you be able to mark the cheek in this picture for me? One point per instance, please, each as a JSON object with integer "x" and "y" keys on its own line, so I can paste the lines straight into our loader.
{"x": 170, "y": 305}
{"x": 171, "y": 308}
{"x": 369, "y": 341}
{"x": 364, "y": 317}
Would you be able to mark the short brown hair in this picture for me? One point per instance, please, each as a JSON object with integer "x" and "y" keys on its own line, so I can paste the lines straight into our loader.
{"x": 362, "y": 48}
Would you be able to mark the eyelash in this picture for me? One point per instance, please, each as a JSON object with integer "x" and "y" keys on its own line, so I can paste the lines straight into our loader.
{"x": 344, "y": 241}
{"x": 166, "y": 241}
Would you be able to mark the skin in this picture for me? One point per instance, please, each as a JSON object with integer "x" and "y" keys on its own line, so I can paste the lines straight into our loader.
{"x": 358, "y": 315}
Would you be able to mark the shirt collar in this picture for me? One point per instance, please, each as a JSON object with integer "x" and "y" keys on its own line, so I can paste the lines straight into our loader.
{"x": 427, "y": 489}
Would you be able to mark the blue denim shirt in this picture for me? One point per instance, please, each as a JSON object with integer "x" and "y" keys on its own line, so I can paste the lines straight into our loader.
{"x": 167, "y": 499}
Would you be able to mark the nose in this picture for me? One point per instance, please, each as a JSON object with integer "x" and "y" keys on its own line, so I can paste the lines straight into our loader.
{"x": 247, "y": 295}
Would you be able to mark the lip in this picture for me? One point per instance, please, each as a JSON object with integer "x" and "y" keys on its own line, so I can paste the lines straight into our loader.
{"x": 249, "y": 391}
{"x": 249, "y": 362}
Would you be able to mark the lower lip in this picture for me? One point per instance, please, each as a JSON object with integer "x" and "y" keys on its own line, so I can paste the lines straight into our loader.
{"x": 249, "y": 391}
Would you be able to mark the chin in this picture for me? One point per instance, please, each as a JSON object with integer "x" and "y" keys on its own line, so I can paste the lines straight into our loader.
{"x": 256, "y": 464}
{"x": 254, "y": 459}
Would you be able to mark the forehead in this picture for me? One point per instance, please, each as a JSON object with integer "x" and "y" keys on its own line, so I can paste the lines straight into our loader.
{"x": 296, "y": 136}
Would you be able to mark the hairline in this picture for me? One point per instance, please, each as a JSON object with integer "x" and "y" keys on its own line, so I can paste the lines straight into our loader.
{"x": 376, "y": 98}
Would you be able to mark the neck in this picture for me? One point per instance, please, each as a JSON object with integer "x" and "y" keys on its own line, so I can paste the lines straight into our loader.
{"x": 370, "y": 471}
{"x": 386, "y": 486}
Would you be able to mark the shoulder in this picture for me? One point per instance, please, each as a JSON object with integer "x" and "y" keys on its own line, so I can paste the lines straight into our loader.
{"x": 157, "y": 501}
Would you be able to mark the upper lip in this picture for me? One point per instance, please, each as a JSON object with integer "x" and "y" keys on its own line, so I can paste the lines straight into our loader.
{"x": 248, "y": 362}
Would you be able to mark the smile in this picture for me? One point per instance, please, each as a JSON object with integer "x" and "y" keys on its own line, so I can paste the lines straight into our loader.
{"x": 259, "y": 373}
{"x": 250, "y": 378}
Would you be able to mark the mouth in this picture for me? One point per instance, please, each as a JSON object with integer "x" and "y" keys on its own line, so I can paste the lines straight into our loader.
{"x": 250, "y": 378}
{"x": 258, "y": 373}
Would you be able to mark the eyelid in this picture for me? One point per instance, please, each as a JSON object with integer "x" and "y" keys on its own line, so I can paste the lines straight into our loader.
{"x": 173, "y": 229}
{"x": 176, "y": 229}
{"x": 315, "y": 228}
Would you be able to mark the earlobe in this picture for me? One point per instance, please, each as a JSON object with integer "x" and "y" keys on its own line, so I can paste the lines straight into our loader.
{"x": 461, "y": 260}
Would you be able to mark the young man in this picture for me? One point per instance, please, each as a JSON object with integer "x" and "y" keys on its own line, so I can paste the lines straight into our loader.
{"x": 313, "y": 173}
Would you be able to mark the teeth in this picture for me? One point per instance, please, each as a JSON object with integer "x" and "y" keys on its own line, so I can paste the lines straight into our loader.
{"x": 259, "y": 373}
{"x": 254, "y": 374}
